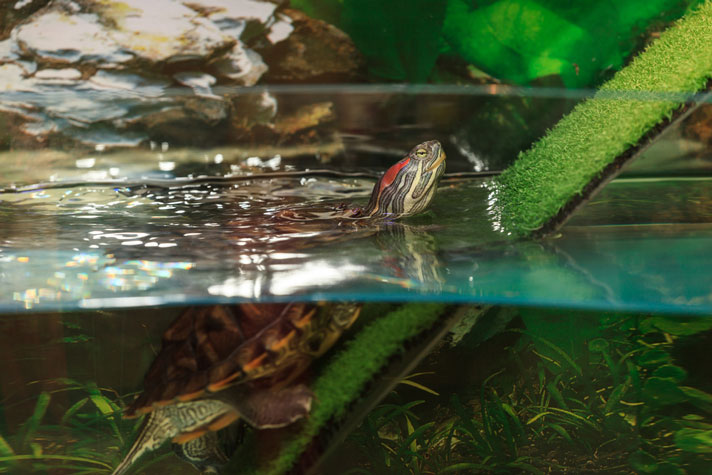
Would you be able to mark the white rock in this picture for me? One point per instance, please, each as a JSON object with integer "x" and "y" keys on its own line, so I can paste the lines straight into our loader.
{"x": 65, "y": 74}
{"x": 161, "y": 30}
{"x": 12, "y": 78}
{"x": 280, "y": 29}
{"x": 127, "y": 83}
{"x": 199, "y": 82}
{"x": 234, "y": 9}
{"x": 57, "y": 36}
{"x": 7, "y": 51}
{"x": 242, "y": 65}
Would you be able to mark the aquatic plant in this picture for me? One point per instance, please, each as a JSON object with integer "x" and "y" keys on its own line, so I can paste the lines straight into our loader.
{"x": 614, "y": 399}
{"x": 87, "y": 438}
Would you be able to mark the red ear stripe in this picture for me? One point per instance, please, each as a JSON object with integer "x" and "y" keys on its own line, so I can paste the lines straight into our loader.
{"x": 392, "y": 173}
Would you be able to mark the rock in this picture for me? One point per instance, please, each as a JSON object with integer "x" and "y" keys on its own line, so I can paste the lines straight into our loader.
{"x": 64, "y": 76}
{"x": 236, "y": 17}
{"x": 58, "y": 35}
{"x": 161, "y": 30}
{"x": 128, "y": 84}
{"x": 121, "y": 72}
{"x": 12, "y": 78}
{"x": 314, "y": 52}
{"x": 306, "y": 117}
{"x": 7, "y": 50}
{"x": 241, "y": 66}
{"x": 13, "y": 12}
{"x": 199, "y": 82}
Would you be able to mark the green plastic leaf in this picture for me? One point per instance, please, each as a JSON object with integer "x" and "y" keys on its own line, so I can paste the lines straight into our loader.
{"x": 694, "y": 440}
{"x": 522, "y": 40}
{"x": 698, "y": 397}
{"x": 693, "y": 417}
{"x": 663, "y": 391}
{"x": 671, "y": 371}
{"x": 5, "y": 448}
{"x": 33, "y": 423}
{"x": 561, "y": 431}
{"x": 680, "y": 326}
{"x": 399, "y": 38}
{"x": 669, "y": 468}
{"x": 73, "y": 410}
{"x": 654, "y": 357}
{"x": 642, "y": 461}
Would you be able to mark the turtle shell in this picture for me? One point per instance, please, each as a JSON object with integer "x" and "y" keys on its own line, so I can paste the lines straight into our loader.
{"x": 207, "y": 349}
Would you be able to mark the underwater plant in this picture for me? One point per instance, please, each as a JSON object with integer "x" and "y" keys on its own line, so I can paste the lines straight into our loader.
{"x": 87, "y": 438}
{"x": 610, "y": 396}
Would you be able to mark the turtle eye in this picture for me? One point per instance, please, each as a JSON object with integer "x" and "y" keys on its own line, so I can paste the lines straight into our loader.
{"x": 421, "y": 153}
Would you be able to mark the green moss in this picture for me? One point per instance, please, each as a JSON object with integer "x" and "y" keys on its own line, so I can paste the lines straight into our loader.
{"x": 344, "y": 377}
{"x": 558, "y": 167}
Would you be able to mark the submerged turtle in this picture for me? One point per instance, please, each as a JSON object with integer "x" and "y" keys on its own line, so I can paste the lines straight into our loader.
{"x": 222, "y": 363}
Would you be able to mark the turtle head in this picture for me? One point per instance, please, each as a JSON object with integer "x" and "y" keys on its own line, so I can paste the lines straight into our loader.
{"x": 408, "y": 187}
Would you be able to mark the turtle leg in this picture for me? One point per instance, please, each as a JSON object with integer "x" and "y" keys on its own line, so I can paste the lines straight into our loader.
{"x": 270, "y": 409}
{"x": 174, "y": 421}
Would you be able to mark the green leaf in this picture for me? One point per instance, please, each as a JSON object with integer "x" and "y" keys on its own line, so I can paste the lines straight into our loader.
{"x": 642, "y": 461}
{"x": 663, "y": 391}
{"x": 419, "y": 386}
{"x": 670, "y": 371}
{"x": 694, "y": 440}
{"x": 35, "y": 419}
{"x": 73, "y": 409}
{"x": 36, "y": 449}
{"x": 681, "y": 326}
{"x": 615, "y": 397}
{"x": 668, "y": 468}
{"x": 522, "y": 40}
{"x": 465, "y": 466}
{"x": 654, "y": 357}
{"x": 399, "y": 38}
{"x": 526, "y": 467}
{"x": 561, "y": 431}
{"x": 698, "y": 397}
{"x": 5, "y": 448}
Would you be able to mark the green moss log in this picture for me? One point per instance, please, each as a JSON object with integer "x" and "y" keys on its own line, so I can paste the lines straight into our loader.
{"x": 551, "y": 176}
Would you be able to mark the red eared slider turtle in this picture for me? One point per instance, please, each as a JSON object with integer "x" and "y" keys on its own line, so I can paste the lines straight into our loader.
{"x": 223, "y": 363}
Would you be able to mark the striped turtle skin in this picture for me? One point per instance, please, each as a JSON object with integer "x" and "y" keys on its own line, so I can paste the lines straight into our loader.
{"x": 408, "y": 187}
{"x": 222, "y": 363}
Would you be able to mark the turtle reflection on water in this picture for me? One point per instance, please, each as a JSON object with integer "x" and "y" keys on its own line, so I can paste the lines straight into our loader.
{"x": 220, "y": 364}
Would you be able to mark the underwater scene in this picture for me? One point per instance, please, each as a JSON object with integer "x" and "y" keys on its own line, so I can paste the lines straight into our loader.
{"x": 355, "y": 236}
